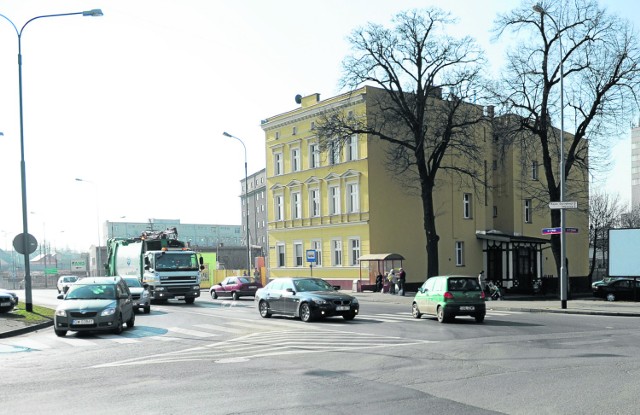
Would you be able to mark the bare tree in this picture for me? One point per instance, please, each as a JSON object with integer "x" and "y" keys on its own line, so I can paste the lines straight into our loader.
{"x": 598, "y": 62}
{"x": 630, "y": 219}
{"x": 604, "y": 213}
{"x": 412, "y": 64}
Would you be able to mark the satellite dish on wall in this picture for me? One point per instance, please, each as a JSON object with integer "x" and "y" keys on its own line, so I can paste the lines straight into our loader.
{"x": 298, "y": 99}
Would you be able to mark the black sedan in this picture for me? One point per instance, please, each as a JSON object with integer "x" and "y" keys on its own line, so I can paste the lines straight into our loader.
{"x": 8, "y": 301}
{"x": 618, "y": 289}
{"x": 306, "y": 298}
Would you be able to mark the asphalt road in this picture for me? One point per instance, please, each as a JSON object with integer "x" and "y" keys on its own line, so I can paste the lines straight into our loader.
{"x": 220, "y": 357}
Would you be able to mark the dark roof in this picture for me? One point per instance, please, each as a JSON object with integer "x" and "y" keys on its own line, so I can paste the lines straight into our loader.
{"x": 381, "y": 257}
{"x": 506, "y": 237}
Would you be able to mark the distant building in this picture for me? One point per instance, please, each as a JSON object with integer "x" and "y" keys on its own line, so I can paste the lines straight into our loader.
{"x": 635, "y": 165}
{"x": 257, "y": 204}
{"x": 198, "y": 235}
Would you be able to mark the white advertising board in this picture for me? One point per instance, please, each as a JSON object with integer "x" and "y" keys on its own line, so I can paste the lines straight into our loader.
{"x": 624, "y": 245}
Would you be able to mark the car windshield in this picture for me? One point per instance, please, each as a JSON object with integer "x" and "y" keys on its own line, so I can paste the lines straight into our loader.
{"x": 245, "y": 280}
{"x": 176, "y": 261}
{"x": 312, "y": 285}
{"x": 70, "y": 279}
{"x": 463, "y": 284}
{"x": 133, "y": 282}
{"x": 92, "y": 292}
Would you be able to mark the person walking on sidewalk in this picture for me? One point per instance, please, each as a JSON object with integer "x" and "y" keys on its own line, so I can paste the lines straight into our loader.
{"x": 402, "y": 276}
{"x": 392, "y": 279}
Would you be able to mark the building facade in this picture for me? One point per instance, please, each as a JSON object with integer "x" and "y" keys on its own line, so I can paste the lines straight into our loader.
{"x": 635, "y": 165}
{"x": 256, "y": 202}
{"x": 343, "y": 203}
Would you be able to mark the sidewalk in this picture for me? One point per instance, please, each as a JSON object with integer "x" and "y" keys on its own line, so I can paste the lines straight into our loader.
{"x": 11, "y": 325}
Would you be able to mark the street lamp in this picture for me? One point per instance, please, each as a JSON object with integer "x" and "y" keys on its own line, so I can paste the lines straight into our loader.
{"x": 563, "y": 270}
{"x": 25, "y": 230}
{"x": 246, "y": 198}
{"x": 98, "y": 249}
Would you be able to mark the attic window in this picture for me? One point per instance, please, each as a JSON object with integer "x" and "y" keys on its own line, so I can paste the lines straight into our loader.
{"x": 277, "y": 135}
{"x": 313, "y": 125}
{"x": 295, "y": 131}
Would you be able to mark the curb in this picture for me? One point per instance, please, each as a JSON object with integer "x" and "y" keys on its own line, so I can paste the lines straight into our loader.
{"x": 583, "y": 312}
{"x": 27, "y": 329}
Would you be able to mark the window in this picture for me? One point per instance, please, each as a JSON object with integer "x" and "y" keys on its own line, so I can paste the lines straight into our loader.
{"x": 354, "y": 197}
{"x": 313, "y": 125}
{"x": 277, "y": 164}
{"x": 334, "y": 152}
{"x": 354, "y": 248}
{"x": 527, "y": 210}
{"x": 280, "y": 254}
{"x": 314, "y": 203}
{"x": 459, "y": 254}
{"x": 277, "y": 135}
{"x": 295, "y": 131}
{"x": 297, "y": 249}
{"x": 336, "y": 252}
{"x": 296, "y": 205}
{"x": 279, "y": 207}
{"x": 353, "y": 148}
{"x": 317, "y": 245}
{"x": 314, "y": 156}
{"x": 334, "y": 200}
{"x": 466, "y": 206}
{"x": 295, "y": 159}
{"x": 534, "y": 170}
{"x": 495, "y": 211}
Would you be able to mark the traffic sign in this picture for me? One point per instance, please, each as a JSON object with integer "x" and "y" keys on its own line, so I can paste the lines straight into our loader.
{"x": 564, "y": 205}
{"x": 571, "y": 230}
{"x": 551, "y": 231}
{"x": 311, "y": 255}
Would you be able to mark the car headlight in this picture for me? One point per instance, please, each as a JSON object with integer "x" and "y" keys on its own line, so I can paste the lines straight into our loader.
{"x": 319, "y": 301}
{"x": 159, "y": 288}
{"x": 354, "y": 300}
{"x": 61, "y": 312}
{"x": 196, "y": 287}
{"x": 108, "y": 311}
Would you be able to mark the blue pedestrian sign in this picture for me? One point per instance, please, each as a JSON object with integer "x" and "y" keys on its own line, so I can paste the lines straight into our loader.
{"x": 311, "y": 255}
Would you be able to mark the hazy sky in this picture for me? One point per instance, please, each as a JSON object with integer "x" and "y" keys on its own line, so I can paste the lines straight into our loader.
{"x": 135, "y": 102}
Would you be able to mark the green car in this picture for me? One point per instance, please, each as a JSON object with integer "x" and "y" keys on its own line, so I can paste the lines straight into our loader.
{"x": 449, "y": 296}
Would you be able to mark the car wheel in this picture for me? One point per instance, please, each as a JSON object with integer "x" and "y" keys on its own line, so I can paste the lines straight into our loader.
{"x": 263, "y": 307}
{"x": 415, "y": 311}
{"x": 441, "y": 317}
{"x": 235, "y": 296}
{"x": 60, "y": 333}
{"x": 479, "y": 318}
{"x": 147, "y": 309}
{"x": 117, "y": 328}
{"x": 214, "y": 295}
{"x": 190, "y": 300}
{"x": 611, "y": 297}
{"x": 132, "y": 321}
{"x": 305, "y": 312}
{"x": 349, "y": 316}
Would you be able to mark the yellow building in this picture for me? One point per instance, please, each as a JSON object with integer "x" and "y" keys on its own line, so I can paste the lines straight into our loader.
{"x": 343, "y": 203}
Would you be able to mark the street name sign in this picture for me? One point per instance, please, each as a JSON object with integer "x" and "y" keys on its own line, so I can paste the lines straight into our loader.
{"x": 564, "y": 205}
{"x": 551, "y": 231}
{"x": 571, "y": 230}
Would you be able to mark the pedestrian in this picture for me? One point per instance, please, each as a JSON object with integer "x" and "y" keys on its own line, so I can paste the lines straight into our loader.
{"x": 402, "y": 277}
{"x": 391, "y": 278}
{"x": 379, "y": 283}
{"x": 482, "y": 280}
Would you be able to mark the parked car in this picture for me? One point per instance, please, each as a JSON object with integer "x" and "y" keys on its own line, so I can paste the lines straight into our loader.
{"x": 65, "y": 281}
{"x": 618, "y": 289}
{"x": 95, "y": 303}
{"x": 447, "y": 297}
{"x": 8, "y": 301}
{"x": 306, "y": 298}
{"x": 139, "y": 294}
{"x": 11, "y": 293}
{"x": 235, "y": 287}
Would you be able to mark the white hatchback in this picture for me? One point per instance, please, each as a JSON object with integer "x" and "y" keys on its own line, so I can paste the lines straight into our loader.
{"x": 65, "y": 281}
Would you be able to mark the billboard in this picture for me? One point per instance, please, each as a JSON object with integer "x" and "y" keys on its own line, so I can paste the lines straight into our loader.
{"x": 624, "y": 260}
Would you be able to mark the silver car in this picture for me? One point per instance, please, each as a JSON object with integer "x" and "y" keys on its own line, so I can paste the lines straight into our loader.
{"x": 95, "y": 304}
{"x": 139, "y": 293}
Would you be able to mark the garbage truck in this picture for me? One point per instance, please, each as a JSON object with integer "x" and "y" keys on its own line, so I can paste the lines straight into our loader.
{"x": 166, "y": 265}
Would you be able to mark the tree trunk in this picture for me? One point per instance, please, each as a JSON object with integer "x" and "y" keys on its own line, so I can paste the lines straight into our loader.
{"x": 433, "y": 265}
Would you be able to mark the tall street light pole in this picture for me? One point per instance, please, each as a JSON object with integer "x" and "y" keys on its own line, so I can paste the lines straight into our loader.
{"x": 246, "y": 199}
{"x": 25, "y": 228}
{"x": 563, "y": 270}
{"x": 98, "y": 249}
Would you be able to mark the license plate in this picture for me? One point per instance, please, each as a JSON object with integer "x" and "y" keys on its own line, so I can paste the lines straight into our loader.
{"x": 252, "y": 287}
{"x": 342, "y": 308}
{"x": 467, "y": 308}
{"x": 180, "y": 297}
{"x": 7, "y": 304}
{"x": 82, "y": 322}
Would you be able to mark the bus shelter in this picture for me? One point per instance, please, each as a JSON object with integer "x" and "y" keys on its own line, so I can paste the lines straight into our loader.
{"x": 376, "y": 264}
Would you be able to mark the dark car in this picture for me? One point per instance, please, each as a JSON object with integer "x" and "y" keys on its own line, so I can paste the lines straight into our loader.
{"x": 8, "y": 301}
{"x": 235, "y": 287}
{"x": 96, "y": 303}
{"x": 618, "y": 289}
{"x": 306, "y": 298}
